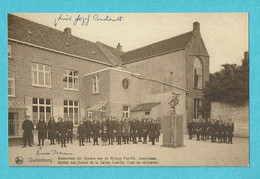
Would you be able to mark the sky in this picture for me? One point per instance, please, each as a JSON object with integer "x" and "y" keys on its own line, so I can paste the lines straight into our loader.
{"x": 224, "y": 34}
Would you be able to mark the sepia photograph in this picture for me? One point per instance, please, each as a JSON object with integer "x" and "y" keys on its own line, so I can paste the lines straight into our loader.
{"x": 128, "y": 89}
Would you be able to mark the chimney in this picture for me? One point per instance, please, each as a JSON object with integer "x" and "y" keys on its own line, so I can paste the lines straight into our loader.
{"x": 196, "y": 26}
{"x": 246, "y": 55}
{"x": 119, "y": 46}
{"x": 68, "y": 31}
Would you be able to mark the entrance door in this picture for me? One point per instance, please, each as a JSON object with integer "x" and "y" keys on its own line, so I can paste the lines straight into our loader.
{"x": 12, "y": 121}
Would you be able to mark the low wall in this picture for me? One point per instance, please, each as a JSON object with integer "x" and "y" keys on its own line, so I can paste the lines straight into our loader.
{"x": 238, "y": 114}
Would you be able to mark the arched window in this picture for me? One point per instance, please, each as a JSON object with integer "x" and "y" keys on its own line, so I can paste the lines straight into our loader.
{"x": 197, "y": 73}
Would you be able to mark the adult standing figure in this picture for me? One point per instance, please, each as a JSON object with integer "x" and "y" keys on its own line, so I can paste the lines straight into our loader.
{"x": 134, "y": 131}
{"x": 95, "y": 132}
{"x": 52, "y": 130}
{"x": 189, "y": 127}
{"x": 198, "y": 129}
{"x": 159, "y": 128}
{"x": 153, "y": 130}
{"x": 27, "y": 128}
{"x": 63, "y": 130}
{"x": 145, "y": 131}
{"x": 119, "y": 132}
{"x": 88, "y": 126}
{"x": 42, "y": 131}
{"x": 70, "y": 130}
{"x": 220, "y": 131}
{"x": 126, "y": 131}
{"x": 81, "y": 133}
{"x": 104, "y": 132}
{"x": 57, "y": 128}
{"x": 110, "y": 127}
{"x": 230, "y": 131}
{"x": 139, "y": 129}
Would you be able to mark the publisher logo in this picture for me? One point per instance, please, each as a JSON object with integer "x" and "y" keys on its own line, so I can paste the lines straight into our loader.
{"x": 19, "y": 160}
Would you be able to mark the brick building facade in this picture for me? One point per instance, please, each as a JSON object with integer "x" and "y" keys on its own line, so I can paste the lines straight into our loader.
{"x": 53, "y": 73}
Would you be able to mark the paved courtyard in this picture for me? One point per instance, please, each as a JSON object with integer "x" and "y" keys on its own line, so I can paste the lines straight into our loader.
{"x": 194, "y": 153}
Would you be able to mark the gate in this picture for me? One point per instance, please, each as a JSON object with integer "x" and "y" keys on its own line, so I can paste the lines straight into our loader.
{"x": 172, "y": 131}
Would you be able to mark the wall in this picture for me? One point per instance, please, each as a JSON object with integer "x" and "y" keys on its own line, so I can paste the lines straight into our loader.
{"x": 238, "y": 114}
{"x": 24, "y": 55}
{"x": 120, "y": 96}
{"x": 195, "y": 48}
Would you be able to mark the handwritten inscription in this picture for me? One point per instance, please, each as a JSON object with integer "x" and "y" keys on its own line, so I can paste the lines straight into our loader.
{"x": 84, "y": 20}
{"x": 52, "y": 152}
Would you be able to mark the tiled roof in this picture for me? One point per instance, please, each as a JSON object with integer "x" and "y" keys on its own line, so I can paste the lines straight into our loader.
{"x": 145, "y": 106}
{"x": 117, "y": 53}
{"x": 30, "y": 32}
{"x": 162, "y": 47}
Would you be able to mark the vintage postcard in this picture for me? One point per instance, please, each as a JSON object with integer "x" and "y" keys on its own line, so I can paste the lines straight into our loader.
{"x": 129, "y": 89}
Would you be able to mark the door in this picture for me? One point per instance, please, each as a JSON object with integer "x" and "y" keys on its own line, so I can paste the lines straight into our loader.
{"x": 12, "y": 123}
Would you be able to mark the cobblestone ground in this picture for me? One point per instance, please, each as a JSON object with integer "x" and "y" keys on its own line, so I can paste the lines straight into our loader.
{"x": 194, "y": 153}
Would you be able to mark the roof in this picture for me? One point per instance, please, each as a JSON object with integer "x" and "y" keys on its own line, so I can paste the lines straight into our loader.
{"x": 145, "y": 106}
{"x": 16, "y": 104}
{"x": 37, "y": 34}
{"x": 162, "y": 47}
{"x": 98, "y": 106}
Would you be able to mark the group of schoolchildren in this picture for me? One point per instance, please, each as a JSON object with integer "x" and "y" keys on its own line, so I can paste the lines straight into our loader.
{"x": 220, "y": 131}
{"x": 110, "y": 129}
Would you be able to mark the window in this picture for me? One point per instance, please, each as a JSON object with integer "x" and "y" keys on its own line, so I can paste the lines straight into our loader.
{"x": 126, "y": 112}
{"x": 11, "y": 84}
{"x": 70, "y": 79}
{"x": 41, "y": 108}
{"x": 197, "y": 109}
{"x": 9, "y": 51}
{"x": 90, "y": 115}
{"x": 95, "y": 84}
{"x": 197, "y": 73}
{"x": 71, "y": 110}
{"x": 147, "y": 112}
{"x": 41, "y": 75}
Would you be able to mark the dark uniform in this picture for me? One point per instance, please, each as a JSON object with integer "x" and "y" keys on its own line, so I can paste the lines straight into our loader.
{"x": 220, "y": 131}
{"x": 119, "y": 132}
{"x": 81, "y": 133}
{"x": 70, "y": 131}
{"x": 63, "y": 130}
{"x": 213, "y": 130}
{"x": 198, "y": 129}
{"x": 230, "y": 130}
{"x": 27, "y": 132}
{"x": 139, "y": 130}
{"x": 104, "y": 132}
{"x": 190, "y": 127}
{"x": 152, "y": 132}
{"x": 51, "y": 131}
{"x": 88, "y": 126}
{"x": 145, "y": 131}
{"x": 224, "y": 134}
{"x": 126, "y": 131}
{"x": 42, "y": 132}
{"x": 158, "y": 130}
{"x": 57, "y": 128}
{"x": 110, "y": 127}
{"x": 203, "y": 130}
{"x": 207, "y": 129}
{"x": 134, "y": 131}
{"x": 95, "y": 132}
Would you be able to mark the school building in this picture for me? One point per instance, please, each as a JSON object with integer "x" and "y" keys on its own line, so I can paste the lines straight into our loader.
{"x": 54, "y": 73}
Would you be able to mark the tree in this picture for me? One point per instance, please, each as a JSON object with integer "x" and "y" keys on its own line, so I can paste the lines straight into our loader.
{"x": 229, "y": 85}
